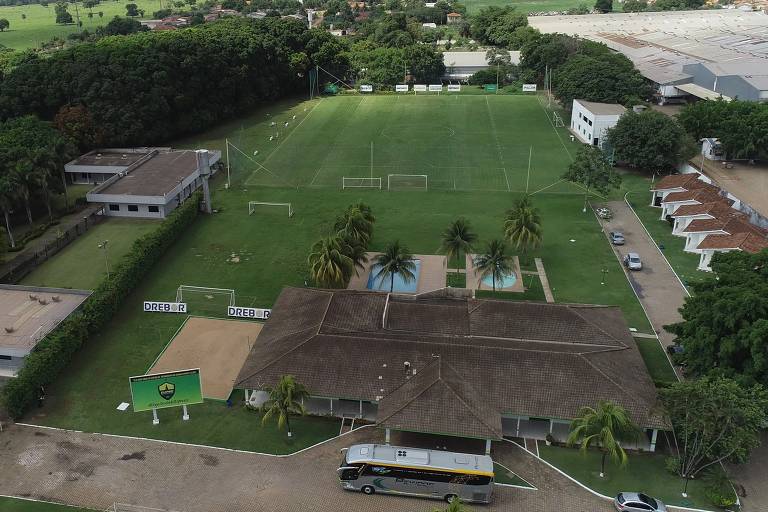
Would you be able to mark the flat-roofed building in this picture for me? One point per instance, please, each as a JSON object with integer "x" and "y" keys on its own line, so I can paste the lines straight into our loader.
{"x": 590, "y": 120}
{"x": 462, "y": 65}
{"x": 99, "y": 165}
{"x": 154, "y": 184}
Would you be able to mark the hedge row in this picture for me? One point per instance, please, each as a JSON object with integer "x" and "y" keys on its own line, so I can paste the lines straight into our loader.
{"x": 56, "y": 350}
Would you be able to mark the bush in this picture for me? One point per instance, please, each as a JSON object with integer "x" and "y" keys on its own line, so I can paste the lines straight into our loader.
{"x": 722, "y": 497}
{"x": 56, "y": 350}
{"x": 672, "y": 464}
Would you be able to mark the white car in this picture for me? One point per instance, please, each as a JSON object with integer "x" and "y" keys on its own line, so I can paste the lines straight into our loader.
{"x": 632, "y": 261}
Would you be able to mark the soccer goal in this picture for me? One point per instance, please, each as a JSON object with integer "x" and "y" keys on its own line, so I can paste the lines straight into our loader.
{"x": 360, "y": 183}
{"x": 186, "y": 293}
{"x": 254, "y": 206}
{"x": 407, "y": 181}
{"x": 557, "y": 120}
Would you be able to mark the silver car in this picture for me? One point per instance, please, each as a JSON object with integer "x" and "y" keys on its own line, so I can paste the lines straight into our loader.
{"x": 632, "y": 261}
{"x": 638, "y": 502}
{"x": 617, "y": 237}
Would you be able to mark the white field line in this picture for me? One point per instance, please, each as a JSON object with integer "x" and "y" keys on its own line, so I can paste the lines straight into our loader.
{"x": 177, "y": 443}
{"x": 556, "y": 132}
{"x": 285, "y": 139}
{"x": 498, "y": 143}
{"x": 43, "y": 501}
{"x": 168, "y": 344}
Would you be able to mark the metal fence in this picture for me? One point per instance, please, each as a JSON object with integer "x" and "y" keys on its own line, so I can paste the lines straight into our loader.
{"x": 14, "y": 270}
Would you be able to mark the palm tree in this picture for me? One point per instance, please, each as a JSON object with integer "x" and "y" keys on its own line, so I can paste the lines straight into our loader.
{"x": 328, "y": 265}
{"x": 24, "y": 176}
{"x": 355, "y": 225}
{"x": 62, "y": 151}
{"x": 285, "y": 399}
{"x": 606, "y": 426}
{"x": 494, "y": 262}
{"x": 395, "y": 260}
{"x": 356, "y": 253}
{"x": 458, "y": 238}
{"x": 522, "y": 225}
{"x": 8, "y": 194}
{"x": 43, "y": 165}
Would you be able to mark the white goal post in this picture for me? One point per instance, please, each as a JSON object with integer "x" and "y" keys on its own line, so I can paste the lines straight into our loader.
{"x": 419, "y": 181}
{"x": 205, "y": 291}
{"x": 557, "y": 120}
{"x": 360, "y": 182}
{"x": 253, "y": 204}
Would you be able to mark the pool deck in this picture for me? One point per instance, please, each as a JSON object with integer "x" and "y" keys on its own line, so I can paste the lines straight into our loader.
{"x": 474, "y": 282}
{"x": 431, "y": 273}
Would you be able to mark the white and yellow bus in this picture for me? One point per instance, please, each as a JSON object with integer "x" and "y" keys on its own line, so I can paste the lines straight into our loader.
{"x": 372, "y": 468}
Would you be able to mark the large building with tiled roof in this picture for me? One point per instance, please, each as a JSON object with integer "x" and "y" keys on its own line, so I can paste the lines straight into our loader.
{"x": 453, "y": 366}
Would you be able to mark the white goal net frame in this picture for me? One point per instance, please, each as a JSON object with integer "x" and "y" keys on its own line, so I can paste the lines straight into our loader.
{"x": 205, "y": 291}
{"x": 557, "y": 120}
{"x": 352, "y": 182}
{"x": 407, "y": 177}
{"x": 253, "y": 204}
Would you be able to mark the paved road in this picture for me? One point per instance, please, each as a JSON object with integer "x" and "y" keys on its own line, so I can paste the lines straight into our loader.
{"x": 95, "y": 471}
{"x": 753, "y": 476}
{"x": 660, "y": 292}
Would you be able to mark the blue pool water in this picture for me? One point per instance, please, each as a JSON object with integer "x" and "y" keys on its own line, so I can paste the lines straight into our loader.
{"x": 382, "y": 283}
{"x": 507, "y": 282}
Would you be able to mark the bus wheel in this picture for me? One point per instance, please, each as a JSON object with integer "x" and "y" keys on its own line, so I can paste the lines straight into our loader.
{"x": 450, "y": 497}
{"x": 368, "y": 489}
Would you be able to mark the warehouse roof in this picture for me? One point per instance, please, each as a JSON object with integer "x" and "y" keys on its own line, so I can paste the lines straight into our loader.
{"x": 521, "y": 358}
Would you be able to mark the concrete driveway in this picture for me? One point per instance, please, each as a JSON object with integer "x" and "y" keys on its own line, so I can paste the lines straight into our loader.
{"x": 753, "y": 477}
{"x": 657, "y": 286}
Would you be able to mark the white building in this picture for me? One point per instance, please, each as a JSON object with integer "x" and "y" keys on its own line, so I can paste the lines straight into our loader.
{"x": 99, "y": 165}
{"x": 590, "y": 120}
{"x": 462, "y": 65}
{"x": 712, "y": 149}
{"x": 155, "y": 185}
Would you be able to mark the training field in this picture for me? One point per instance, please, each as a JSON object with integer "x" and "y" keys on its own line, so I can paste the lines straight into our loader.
{"x": 459, "y": 143}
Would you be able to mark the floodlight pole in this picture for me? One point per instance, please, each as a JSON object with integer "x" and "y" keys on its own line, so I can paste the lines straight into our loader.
{"x": 103, "y": 246}
{"x": 229, "y": 183}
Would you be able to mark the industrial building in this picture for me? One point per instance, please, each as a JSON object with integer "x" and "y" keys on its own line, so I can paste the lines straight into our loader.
{"x": 708, "y": 54}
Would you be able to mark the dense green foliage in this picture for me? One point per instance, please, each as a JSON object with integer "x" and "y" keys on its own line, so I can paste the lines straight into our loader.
{"x": 158, "y": 85}
{"x": 741, "y": 126}
{"x": 56, "y": 350}
{"x": 499, "y": 26}
{"x": 386, "y": 66}
{"x": 605, "y": 77}
{"x": 522, "y": 225}
{"x": 650, "y": 141}
{"x": 725, "y": 322}
{"x": 592, "y": 171}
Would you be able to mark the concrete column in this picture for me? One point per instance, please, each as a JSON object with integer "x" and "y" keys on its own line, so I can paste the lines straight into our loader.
{"x": 246, "y": 395}
{"x": 487, "y": 446}
{"x": 517, "y": 432}
{"x": 551, "y": 425}
{"x": 653, "y": 440}
{"x": 331, "y": 405}
{"x": 361, "y": 408}
{"x": 386, "y": 436}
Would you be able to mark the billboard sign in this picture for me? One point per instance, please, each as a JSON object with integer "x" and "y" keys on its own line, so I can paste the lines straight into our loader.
{"x": 163, "y": 390}
{"x": 164, "y": 307}
{"x": 366, "y": 88}
{"x": 454, "y": 88}
{"x": 419, "y": 88}
{"x": 436, "y": 87}
{"x": 490, "y": 87}
{"x": 255, "y": 313}
{"x": 529, "y": 87}
{"x": 401, "y": 88}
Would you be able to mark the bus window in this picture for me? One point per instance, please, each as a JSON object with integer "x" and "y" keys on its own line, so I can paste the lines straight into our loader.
{"x": 348, "y": 473}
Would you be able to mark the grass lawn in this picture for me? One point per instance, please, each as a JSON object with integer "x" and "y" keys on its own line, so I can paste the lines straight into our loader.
{"x": 504, "y": 476}
{"x": 81, "y": 264}
{"x": 684, "y": 263}
{"x": 270, "y": 249}
{"x": 656, "y": 360}
{"x": 455, "y": 280}
{"x": 19, "y": 505}
{"x": 40, "y": 23}
{"x": 526, "y": 5}
{"x": 644, "y": 472}
{"x": 533, "y": 291}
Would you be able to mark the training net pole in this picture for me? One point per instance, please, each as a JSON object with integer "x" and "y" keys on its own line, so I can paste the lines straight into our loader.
{"x": 229, "y": 183}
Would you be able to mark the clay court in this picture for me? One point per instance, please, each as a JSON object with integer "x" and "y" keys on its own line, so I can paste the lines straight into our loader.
{"x": 217, "y": 347}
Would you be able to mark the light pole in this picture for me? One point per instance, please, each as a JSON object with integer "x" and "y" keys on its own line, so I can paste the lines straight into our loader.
{"x": 603, "y": 271}
{"x": 103, "y": 246}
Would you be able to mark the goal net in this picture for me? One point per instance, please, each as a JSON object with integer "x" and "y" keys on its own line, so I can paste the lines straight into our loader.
{"x": 360, "y": 182}
{"x": 205, "y": 300}
{"x": 557, "y": 120}
{"x": 256, "y": 206}
{"x": 407, "y": 182}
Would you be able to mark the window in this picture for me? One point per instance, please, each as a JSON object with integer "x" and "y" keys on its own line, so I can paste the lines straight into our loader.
{"x": 590, "y": 122}
{"x": 5, "y": 358}
{"x": 133, "y": 207}
{"x": 153, "y": 208}
{"x": 114, "y": 207}
{"x": 84, "y": 175}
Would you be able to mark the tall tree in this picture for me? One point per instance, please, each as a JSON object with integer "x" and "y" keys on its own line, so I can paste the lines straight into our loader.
{"x": 604, "y": 6}
{"x": 4, "y": 24}
{"x": 24, "y": 177}
{"x": 607, "y": 77}
{"x": 395, "y": 261}
{"x": 650, "y": 141}
{"x": 494, "y": 262}
{"x": 8, "y": 195}
{"x": 355, "y": 224}
{"x": 132, "y": 10}
{"x": 741, "y": 126}
{"x": 522, "y": 225}
{"x": 285, "y": 399}
{"x": 457, "y": 239}
{"x": 329, "y": 266}
{"x": 592, "y": 172}
{"x": 62, "y": 14}
{"x": 496, "y": 25}
{"x": 605, "y": 427}
{"x": 713, "y": 420}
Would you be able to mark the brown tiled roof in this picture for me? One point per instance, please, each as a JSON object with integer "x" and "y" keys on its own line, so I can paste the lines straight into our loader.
{"x": 747, "y": 242}
{"x": 527, "y": 359}
{"x": 438, "y": 400}
{"x": 714, "y": 209}
{"x": 705, "y": 194}
{"x": 675, "y": 181}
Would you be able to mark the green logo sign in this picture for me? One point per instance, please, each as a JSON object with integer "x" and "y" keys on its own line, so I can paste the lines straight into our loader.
{"x": 161, "y": 390}
{"x": 490, "y": 87}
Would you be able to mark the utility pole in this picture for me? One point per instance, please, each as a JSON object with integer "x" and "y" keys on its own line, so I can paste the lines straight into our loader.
{"x": 103, "y": 247}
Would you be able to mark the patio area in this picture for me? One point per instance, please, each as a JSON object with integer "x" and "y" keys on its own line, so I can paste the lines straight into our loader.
{"x": 430, "y": 276}
{"x": 511, "y": 284}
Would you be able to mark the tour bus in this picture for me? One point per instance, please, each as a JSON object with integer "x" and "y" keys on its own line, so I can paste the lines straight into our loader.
{"x": 371, "y": 468}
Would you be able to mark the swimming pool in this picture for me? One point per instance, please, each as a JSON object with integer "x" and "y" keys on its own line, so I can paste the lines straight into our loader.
{"x": 382, "y": 283}
{"x": 507, "y": 281}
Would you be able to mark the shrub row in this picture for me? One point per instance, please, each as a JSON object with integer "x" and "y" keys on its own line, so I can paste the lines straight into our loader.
{"x": 56, "y": 350}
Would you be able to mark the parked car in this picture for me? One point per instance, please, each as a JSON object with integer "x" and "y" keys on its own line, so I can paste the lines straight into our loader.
{"x": 632, "y": 261}
{"x": 675, "y": 349}
{"x": 638, "y": 502}
{"x": 617, "y": 237}
{"x": 604, "y": 213}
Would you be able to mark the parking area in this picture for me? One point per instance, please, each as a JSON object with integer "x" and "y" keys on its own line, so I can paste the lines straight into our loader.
{"x": 656, "y": 285}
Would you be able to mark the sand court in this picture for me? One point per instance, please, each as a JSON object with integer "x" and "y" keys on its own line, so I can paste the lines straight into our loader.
{"x": 217, "y": 347}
